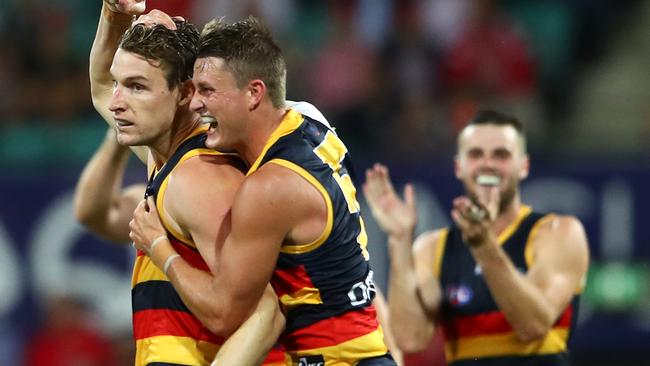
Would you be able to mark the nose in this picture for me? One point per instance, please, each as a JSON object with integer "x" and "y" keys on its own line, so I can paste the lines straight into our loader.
{"x": 488, "y": 162}
{"x": 196, "y": 104}
{"x": 116, "y": 103}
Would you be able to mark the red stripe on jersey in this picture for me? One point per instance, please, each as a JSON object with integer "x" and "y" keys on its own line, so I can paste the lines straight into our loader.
{"x": 290, "y": 280}
{"x": 156, "y": 322}
{"x": 492, "y": 323}
{"x": 332, "y": 331}
{"x": 565, "y": 319}
{"x": 276, "y": 356}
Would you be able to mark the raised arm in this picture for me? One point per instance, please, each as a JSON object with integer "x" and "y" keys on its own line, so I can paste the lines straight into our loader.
{"x": 532, "y": 301}
{"x": 100, "y": 202}
{"x": 413, "y": 292}
{"x": 116, "y": 17}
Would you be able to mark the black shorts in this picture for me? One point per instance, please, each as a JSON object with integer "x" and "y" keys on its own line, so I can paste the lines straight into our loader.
{"x": 385, "y": 360}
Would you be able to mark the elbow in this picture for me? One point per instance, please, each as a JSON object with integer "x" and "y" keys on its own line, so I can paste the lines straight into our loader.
{"x": 98, "y": 103}
{"x": 532, "y": 331}
{"x": 412, "y": 342}
{"x": 82, "y": 214}
{"x": 220, "y": 326}
{"x": 410, "y": 345}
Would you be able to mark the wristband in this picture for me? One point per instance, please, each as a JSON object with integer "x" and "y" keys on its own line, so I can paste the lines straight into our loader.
{"x": 155, "y": 242}
{"x": 168, "y": 263}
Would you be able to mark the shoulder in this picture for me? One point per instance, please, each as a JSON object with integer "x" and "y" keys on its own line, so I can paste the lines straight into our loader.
{"x": 427, "y": 243}
{"x": 309, "y": 110}
{"x": 210, "y": 171}
{"x": 135, "y": 192}
{"x": 203, "y": 179}
{"x": 561, "y": 236}
{"x": 277, "y": 186}
{"x": 272, "y": 180}
{"x": 564, "y": 227}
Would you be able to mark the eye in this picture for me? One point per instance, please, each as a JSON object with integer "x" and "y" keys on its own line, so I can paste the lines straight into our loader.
{"x": 474, "y": 153}
{"x": 205, "y": 90}
{"x": 138, "y": 87}
{"x": 502, "y": 154}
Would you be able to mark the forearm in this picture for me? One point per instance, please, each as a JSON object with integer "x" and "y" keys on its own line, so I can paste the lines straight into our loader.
{"x": 384, "y": 319}
{"x": 522, "y": 303}
{"x": 110, "y": 29}
{"x": 252, "y": 341}
{"x": 99, "y": 185}
{"x": 412, "y": 327}
{"x": 212, "y": 304}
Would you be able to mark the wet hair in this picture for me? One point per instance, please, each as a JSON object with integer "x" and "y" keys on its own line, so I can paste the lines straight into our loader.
{"x": 491, "y": 117}
{"x": 175, "y": 50}
{"x": 249, "y": 52}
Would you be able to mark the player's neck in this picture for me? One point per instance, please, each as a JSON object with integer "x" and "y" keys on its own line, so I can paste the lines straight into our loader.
{"x": 264, "y": 121}
{"x": 507, "y": 216}
{"x": 185, "y": 124}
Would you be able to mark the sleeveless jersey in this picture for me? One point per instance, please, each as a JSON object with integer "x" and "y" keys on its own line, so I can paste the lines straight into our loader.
{"x": 166, "y": 332}
{"x": 476, "y": 331}
{"x": 325, "y": 287}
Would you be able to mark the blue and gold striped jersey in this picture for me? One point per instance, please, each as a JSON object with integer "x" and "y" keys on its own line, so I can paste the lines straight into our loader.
{"x": 325, "y": 287}
{"x": 476, "y": 331}
{"x": 165, "y": 330}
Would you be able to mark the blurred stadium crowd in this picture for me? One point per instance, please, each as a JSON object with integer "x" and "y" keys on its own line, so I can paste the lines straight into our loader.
{"x": 398, "y": 73}
{"x": 398, "y": 78}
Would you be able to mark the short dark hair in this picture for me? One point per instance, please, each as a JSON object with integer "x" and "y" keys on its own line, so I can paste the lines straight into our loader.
{"x": 249, "y": 51}
{"x": 176, "y": 49}
{"x": 491, "y": 117}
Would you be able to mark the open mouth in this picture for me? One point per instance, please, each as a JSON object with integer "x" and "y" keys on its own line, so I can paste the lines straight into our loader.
{"x": 488, "y": 180}
{"x": 209, "y": 120}
{"x": 122, "y": 123}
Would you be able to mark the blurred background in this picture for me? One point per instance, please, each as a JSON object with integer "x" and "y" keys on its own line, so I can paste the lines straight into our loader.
{"x": 397, "y": 78}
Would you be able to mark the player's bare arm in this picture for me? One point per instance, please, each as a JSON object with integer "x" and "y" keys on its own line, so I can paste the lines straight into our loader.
{"x": 113, "y": 22}
{"x": 383, "y": 316}
{"x": 100, "y": 201}
{"x": 203, "y": 213}
{"x": 116, "y": 17}
{"x": 273, "y": 204}
{"x": 256, "y": 335}
{"x": 414, "y": 294}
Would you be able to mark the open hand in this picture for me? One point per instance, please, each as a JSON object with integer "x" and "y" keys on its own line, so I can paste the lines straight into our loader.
{"x": 394, "y": 216}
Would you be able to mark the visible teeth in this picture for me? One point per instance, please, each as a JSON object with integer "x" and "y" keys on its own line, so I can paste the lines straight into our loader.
{"x": 208, "y": 119}
{"x": 488, "y": 180}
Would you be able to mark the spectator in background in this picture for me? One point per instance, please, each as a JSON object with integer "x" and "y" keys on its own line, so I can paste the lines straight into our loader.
{"x": 341, "y": 74}
{"x": 278, "y": 14}
{"x": 491, "y": 62}
{"x": 409, "y": 76}
{"x": 68, "y": 337}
